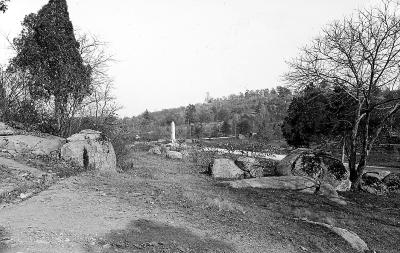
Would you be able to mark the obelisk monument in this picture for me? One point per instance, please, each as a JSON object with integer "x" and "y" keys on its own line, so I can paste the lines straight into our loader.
{"x": 173, "y": 139}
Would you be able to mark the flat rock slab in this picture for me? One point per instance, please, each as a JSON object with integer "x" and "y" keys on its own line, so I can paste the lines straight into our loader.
{"x": 352, "y": 238}
{"x": 285, "y": 183}
{"x": 30, "y": 143}
{"x": 13, "y": 165}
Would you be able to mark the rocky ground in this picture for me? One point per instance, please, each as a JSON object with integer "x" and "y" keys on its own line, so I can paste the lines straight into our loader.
{"x": 162, "y": 205}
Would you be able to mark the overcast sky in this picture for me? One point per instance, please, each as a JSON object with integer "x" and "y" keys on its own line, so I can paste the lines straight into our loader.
{"x": 171, "y": 52}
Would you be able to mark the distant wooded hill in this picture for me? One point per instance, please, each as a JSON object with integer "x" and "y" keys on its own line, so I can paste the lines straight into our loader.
{"x": 259, "y": 112}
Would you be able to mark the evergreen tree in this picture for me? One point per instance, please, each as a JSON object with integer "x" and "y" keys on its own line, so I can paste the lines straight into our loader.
{"x": 47, "y": 49}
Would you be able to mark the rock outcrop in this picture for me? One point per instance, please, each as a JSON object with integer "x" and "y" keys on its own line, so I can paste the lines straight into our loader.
{"x": 316, "y": 165}
{"x": 31, "y": 144}
{"x": 350, "y": 237}
{"x": 226, "y": 169}
{"x": 250, "y": 166}
{"x": 371, "y": 182}
{"x": 90, "y": 149}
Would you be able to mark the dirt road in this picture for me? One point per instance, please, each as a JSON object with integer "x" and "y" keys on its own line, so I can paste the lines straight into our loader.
{"x": 149, "y": 208}
{"x": 162, "y": 205}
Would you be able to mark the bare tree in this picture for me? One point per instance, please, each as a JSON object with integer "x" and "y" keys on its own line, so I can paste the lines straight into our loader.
{"x": 361, "y": 55}
{"x": 101, "y": 104}
{"x": 13, "y": 90}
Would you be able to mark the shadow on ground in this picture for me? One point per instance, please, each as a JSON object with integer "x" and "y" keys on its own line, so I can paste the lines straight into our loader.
{"x": 148, "y": 236}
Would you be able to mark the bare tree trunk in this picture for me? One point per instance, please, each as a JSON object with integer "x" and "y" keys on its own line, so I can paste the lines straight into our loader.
{"x": 344, "y": 148}
{"x": 59, "y": 114}
{"x": 362, "y": 164}
{"x": 353, "y": 161}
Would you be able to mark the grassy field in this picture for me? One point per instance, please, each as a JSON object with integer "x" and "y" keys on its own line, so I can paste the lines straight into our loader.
{"x": 244, "y": 219}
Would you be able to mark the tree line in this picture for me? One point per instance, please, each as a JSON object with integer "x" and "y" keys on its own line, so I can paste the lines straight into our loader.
{"x": 254, "y": 112}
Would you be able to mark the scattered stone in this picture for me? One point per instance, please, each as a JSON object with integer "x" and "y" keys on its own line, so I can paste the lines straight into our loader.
{"x": 352, "y": 238}
{"x": 25, "y": 195}
{"x": 317, "y": 165}
{"x": 174, "y": 155}
{"x": 226, "y": 169}
{"x": 155, "y": 150}
{"x": 303, "y": 248}
{"x": 90, "y": 149}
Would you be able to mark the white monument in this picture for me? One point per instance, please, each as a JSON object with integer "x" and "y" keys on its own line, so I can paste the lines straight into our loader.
{"x": 173, "y": 140}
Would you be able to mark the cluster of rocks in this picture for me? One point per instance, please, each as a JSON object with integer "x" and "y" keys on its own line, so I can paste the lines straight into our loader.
{"x": 380, "y": 182}
{"x": 171, "y": 150}
{"x": 303, "y": 170}
{"x": 88, "y": 148}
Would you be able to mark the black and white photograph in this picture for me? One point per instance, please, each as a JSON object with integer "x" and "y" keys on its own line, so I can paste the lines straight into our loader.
{"x": 200, "y": 126}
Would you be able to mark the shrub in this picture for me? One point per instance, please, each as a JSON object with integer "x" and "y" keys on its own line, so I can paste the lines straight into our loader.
{"x": 203, "y": 158}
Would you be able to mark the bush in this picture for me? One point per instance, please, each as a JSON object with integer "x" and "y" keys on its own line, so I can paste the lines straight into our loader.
{"x": 203, "y": 158}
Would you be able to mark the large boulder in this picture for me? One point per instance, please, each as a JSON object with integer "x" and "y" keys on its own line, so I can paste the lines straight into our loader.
{"x": 226, "y": 169}
{"x": 316, "y": 165}
{"x": 90, "y": 149}
{"x": 377, "y": 174}
{"x": 31, "y": 144}
{"x": 5, "y": 130}
{"x": 250, "y": 166}
{"x": 371, "y": 182}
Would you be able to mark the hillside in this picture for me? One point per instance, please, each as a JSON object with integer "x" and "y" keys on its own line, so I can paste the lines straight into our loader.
{"x": 258, "y": 112}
